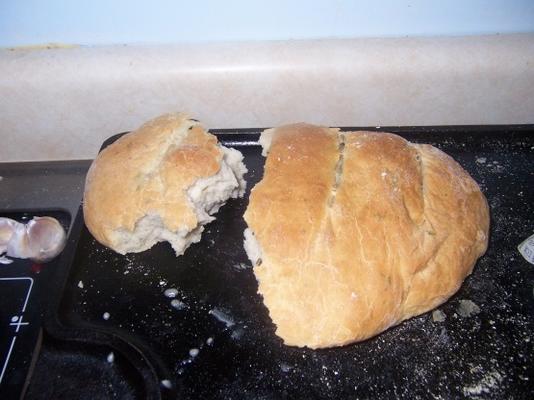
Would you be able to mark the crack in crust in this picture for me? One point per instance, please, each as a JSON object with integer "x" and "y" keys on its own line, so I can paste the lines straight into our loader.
{"x": 339, "y": 168}
{"x": 359, "y": 231}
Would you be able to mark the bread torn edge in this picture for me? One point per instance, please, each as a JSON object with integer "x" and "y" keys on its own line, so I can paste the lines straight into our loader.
{"x": 250, "y": 243}
{"x": 265, "y": 141}
{"x": 201, "y": 196}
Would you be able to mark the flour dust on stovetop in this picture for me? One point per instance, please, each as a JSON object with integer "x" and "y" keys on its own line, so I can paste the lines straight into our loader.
{"x": 178, "y": 304}
{"x": 222, "y": 316}
{"x": 490, "y": 352}
{"x": 242, "y": 266}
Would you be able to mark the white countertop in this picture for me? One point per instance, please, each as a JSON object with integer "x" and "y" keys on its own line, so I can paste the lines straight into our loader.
{"x": 61, "y": 103}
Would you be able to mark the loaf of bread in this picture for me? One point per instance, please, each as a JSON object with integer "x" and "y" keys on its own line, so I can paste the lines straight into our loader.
{"x": 162, "y": 182}
{"x": 351, "y": 233}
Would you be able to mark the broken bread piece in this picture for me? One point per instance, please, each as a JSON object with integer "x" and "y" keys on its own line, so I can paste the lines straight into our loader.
{"x": 162, "y": 182}
{"x": 351, "y": 233}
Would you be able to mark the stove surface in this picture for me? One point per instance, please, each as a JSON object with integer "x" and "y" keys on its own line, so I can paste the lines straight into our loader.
{"x": 23, "y": 289}
{"x": 217, "y": 340}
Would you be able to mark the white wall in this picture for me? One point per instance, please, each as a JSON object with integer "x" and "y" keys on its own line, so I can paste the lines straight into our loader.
{"x": 29, "y": 22}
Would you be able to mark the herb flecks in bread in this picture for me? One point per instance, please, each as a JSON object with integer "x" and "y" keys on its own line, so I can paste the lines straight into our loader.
{"x": 353, "y": 232}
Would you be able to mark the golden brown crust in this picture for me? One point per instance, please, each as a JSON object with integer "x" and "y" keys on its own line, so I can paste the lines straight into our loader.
{"x": 311, "y": 153}
{"x": 149, "y": 170}
{"x": 345, "y": 257}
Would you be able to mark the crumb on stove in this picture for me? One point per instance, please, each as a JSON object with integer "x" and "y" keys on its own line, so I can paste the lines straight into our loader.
{"x": 242, "y": 266}
{"x": 80, "y": 284}
{"x": 467, "y": 308}
{"x": 285, "y": 367}
{"x": 438, "y": 316}
{"x": 106, "y": 316}
{"x": 171, "y": 293}
{"x": 110, "y": 358}
{"x": 194, "y": 352}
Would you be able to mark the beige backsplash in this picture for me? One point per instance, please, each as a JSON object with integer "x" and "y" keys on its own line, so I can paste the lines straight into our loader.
{"x": 62, "y": 103}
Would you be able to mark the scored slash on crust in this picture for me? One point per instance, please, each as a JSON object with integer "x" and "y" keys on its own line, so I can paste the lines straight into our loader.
{"x": 358, "y": 231}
